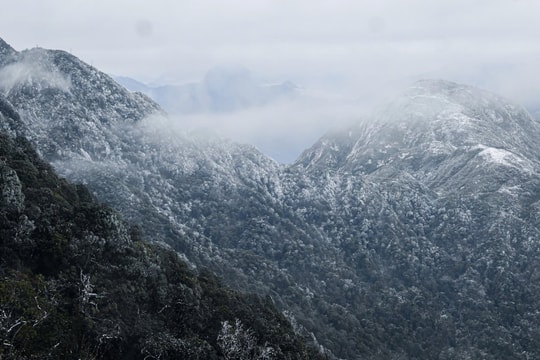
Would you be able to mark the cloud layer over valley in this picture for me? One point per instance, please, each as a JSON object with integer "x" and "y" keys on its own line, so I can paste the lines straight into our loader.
{"x": 351, "y": 49}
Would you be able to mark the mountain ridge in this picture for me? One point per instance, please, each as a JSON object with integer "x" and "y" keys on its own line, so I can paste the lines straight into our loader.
{"x": 223, "y": 89}
{"x": 431, "y": 135}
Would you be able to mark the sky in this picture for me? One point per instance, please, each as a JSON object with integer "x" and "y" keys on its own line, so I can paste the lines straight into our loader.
{"x": 347, "y": 48}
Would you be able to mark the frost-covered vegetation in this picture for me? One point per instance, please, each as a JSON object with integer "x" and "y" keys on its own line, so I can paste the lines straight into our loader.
{"x": 412, "y": 235}
{"x": 76, "y": 282}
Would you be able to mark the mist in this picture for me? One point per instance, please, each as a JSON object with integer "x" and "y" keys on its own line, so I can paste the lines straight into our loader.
{"x": 282, "y": 130}
{"x": 31, "y": 70}
{"x": 347, "y": 50}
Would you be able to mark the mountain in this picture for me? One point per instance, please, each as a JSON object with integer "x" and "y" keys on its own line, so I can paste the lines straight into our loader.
{"x": 435, "y": 198}
{"x": 223, "y": 89}
{"x": 77, "y": 282}
{"x": 5, "y": 49}
{"x": 412, "y": 234}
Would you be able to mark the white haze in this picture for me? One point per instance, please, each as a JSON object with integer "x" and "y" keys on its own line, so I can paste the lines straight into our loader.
{"x": 281, "y": 130}
{"x": 30, "y": 69}
{"x": 350, "y": 48}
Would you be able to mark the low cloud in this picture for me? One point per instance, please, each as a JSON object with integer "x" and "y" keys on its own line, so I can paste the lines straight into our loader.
{"x": 281, "y": 130}
{"x": 33, "y": 69}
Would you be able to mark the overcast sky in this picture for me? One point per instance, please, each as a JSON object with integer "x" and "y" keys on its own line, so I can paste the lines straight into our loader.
{"x": 352, "y": 47}
{"x": 339, "y": 43}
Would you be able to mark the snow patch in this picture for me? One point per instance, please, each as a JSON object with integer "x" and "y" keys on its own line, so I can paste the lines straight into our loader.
{"x": 510, "y": 190}
{"x": 440, "y": 148}
{"x": 504, "y": 157}
{"x": 86, "y": 155}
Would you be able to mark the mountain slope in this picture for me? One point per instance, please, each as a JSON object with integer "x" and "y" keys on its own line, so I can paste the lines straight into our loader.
{"x": 77, "y": 282}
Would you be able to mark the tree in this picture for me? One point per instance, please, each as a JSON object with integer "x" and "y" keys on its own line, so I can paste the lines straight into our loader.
{"x": 237, "y": 342}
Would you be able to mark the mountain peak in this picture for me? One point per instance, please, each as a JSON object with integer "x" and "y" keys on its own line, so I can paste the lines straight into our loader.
{"x": 59, "y": 92}
{"x": 437, "y": 84}
{"x": 435, "y": 95}
{"x": 434, "y": 126}
{"x": 5, "y": 45}
{"x": 455, "y": 113}
{"x": 5, "y": 49}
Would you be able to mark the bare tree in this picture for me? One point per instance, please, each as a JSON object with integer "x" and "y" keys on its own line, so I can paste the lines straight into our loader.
{"x": 237, "y": 342}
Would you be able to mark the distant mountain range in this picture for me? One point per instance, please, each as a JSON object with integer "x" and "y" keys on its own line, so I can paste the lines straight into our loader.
{"x": 223, "y": 89}
{"x": 411, "y": 234}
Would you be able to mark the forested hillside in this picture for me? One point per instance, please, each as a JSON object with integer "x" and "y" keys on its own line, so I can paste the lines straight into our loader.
{"x": 77, "y": 282}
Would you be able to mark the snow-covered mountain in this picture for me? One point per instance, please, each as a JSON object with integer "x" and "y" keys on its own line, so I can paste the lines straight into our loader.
{"x": 413, "y": 234}
{"x": 223, "y": 89}
{"x": 77, "y": 280}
